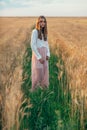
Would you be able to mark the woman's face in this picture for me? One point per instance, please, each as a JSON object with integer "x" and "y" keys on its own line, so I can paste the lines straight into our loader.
{"x": 42, "y": 22}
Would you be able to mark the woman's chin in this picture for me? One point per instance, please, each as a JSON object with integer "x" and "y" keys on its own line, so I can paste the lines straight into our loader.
{"x": 42, "y": 26}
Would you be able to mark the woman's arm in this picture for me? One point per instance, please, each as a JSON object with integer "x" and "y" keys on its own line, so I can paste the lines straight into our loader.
{"x": 48, "y": 50}
{"x": 34, "y": 37}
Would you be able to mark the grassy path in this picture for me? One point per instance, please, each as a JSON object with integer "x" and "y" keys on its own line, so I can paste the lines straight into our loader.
{"x": 48, "y": 109}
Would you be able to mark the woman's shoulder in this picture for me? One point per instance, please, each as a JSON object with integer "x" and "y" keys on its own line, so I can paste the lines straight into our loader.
{"x": 34, "y": 31}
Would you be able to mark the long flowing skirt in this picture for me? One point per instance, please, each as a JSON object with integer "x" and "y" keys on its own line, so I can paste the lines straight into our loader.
{"x": 40, "y": 72}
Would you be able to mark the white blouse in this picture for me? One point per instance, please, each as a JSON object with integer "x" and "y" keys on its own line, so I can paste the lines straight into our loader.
{"x": 37, "y": 43}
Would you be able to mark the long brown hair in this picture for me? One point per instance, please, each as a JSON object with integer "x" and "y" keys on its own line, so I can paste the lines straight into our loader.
{"x": 39, "y": 28}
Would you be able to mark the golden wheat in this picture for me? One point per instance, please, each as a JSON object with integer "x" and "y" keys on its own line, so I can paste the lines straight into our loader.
{"x": 67, "y": 37}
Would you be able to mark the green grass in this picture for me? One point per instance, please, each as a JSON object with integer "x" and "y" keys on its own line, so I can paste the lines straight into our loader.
{"x": 48, "y": 109}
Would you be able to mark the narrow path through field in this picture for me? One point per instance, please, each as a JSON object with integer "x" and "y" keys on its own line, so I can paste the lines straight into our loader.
{"x": 48, "y": 109}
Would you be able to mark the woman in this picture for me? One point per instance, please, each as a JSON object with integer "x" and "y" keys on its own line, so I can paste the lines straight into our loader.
{"x": 40, "y": 54}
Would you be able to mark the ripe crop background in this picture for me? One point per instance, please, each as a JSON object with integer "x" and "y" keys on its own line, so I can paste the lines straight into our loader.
{"x": 67, "y": 37}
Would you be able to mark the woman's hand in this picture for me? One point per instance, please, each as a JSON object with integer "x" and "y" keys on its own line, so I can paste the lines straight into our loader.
{"x": 41, "y": 61}
{"x": 47, "y": 57}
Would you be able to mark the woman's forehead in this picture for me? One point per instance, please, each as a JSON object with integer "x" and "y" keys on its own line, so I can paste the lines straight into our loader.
{"x": 42, "y": 18}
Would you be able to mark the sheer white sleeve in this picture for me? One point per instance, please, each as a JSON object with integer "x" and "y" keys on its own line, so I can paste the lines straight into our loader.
{"x": 48, "y": 50}
{"x": 34, "y": 37}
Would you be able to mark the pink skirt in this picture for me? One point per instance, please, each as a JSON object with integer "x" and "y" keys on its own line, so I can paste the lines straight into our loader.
{"x": 40, "y": 72}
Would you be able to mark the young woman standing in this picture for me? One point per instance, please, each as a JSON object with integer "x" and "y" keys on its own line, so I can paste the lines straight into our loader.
{"x": 40, "y": 54}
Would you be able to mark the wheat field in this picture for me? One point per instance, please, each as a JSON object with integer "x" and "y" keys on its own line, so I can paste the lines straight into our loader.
{"x": 67, "y": 37}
